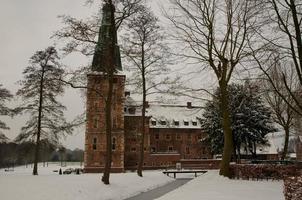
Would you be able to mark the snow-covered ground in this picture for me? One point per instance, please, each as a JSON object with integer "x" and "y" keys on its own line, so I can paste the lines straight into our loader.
{"x": 21, "y": 185}
{"x": 211, "y": 186}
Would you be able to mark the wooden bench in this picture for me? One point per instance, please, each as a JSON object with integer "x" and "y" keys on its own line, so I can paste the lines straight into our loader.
{"x": 184, "y": 172}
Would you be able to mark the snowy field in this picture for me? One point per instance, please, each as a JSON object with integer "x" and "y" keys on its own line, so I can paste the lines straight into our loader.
{"x": 21, "y": 185}
{"x": 211, "y": 186}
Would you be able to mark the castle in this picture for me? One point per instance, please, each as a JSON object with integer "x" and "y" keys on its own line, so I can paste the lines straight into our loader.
{"x": 173, "y": 132}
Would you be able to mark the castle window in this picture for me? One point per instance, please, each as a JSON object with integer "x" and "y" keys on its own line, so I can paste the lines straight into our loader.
{"x": 114, "y": 80}
{"x": 113, "y": 146}
{"x": 96, "y": 122}
{"x": 170, "y": 148}
{"x": 153, "y": 122}
{"x": 168, "y": 137}
{"x": 186, "y": 123}
{"x": 163, "y": 122}
{"x": 187, "y": 150}
{"x": 125, "y": 109}
{"x": 157, "y": 136}
{"x": 189, "y": 136}
{"x": 176, "y": 123}
{"x": 178, "y": 137}
{"x": 133, "y": 149}
{"x": 153, "y": 149}
{"x": 94, "y": 143}
{"x": 194, "y": 123}
{"x": 95, "y": 106}
{"x": 131, "y": 110}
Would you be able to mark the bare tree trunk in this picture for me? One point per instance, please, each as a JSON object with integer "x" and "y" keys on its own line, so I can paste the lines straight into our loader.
{"x": 36, "y": 159}
{"x": 110, "y": 70}
{"x": 228, "y": 137}
{"x": 108, "y": 160}
{"x": 142, "y": 140}
{"x": 286, "y": 139}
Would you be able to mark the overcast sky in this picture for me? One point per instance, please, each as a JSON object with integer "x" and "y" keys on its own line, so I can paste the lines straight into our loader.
{"x": 26, "y": 26}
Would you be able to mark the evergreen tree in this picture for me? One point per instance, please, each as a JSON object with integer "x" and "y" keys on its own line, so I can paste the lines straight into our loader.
{"x": 5, "y": 96}
{"x": 251, "y": 120}
{"x": 39, "y": 90}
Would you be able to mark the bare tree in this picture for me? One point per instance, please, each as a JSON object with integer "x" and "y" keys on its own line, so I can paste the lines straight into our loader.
{"x": 39, "y": 90}
{"x": 147, "y": 53}
{"x": 282, "y": 112}
{"x": 284, "y": 20}
{"x": 5, "y": 96}
{"x": 85, "y": 37}
{"x": 215, "y": 34}
{"x": 81, "y": 35}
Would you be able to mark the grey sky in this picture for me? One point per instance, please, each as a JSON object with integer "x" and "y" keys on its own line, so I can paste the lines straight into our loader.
{"x": 26, "y": 26}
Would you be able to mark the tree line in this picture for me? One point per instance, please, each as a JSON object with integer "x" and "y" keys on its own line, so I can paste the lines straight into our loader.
{"x": 16, "y": 154}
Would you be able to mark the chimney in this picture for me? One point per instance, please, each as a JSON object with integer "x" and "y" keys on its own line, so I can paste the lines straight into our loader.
{"x": 147, "y": 104}
{"x": 189, "y": 104}
{"x": 127, "y": 93}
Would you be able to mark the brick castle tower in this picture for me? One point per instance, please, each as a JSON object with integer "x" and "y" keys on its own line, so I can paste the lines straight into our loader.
{"x": 95, "y": 136}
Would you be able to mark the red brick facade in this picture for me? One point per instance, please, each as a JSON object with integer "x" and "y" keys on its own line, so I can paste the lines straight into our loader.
{"x": 95, "y": 138}
{"x": 164, "y": 146}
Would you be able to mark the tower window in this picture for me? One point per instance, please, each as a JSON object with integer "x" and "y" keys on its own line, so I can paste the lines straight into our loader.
{"x": 168, "y": 137}
{"x": 170, "y": 148}
{"x": 113, "y": 146}
{"x": 194, "y": 123}
{"x": 186, "y": 123}
{"x": 178, "y": 137}
{"x": 176, "y": 123}
{"x": 94, "y": 143}
{"x": 156, "y": 136}
{"x": 95, "y": 122}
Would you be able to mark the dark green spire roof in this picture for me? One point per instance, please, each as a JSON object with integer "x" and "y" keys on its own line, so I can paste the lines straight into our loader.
{"x": 103, "y": 46}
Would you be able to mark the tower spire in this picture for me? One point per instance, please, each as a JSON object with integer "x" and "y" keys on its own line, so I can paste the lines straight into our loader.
{"x": 102, "y": 49}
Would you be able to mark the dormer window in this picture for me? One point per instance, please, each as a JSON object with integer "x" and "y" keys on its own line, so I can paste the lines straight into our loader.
{"x": 131, "y": 110}
{"x": 163, "y": 122}
{"x": 194, "y": 123}
{"x": 176, "y": 122}
{"x": 186, "y": 122}
{"x": 153, "y": 122}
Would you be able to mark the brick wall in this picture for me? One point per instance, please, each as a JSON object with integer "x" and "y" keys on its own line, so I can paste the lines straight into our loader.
{"x": 95, "y": 136}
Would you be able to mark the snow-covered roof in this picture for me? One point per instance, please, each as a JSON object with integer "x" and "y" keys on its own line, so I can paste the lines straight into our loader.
{"x": 166, "y": 115}
{"x": 174, "y": 116}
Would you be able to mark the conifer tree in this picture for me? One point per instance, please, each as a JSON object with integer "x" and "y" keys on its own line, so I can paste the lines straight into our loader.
{"x": 5, "y": 96}
{"x": 39, "y": 90}
{"x": 251, "y": 120}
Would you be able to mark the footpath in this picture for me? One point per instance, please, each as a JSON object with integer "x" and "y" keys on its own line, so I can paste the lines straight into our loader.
{"x": 158, "y": 192}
